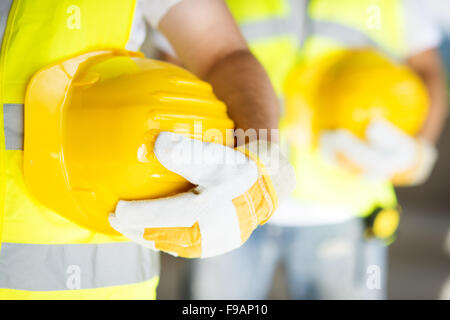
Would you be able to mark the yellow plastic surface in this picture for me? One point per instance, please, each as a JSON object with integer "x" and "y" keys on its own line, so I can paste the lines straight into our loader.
{"x": 386, "y": 223}
{"x": 90, "y": 125}
{"x": 350, "y": 88}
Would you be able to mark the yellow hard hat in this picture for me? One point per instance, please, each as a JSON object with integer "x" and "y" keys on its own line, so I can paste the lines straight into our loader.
{"x": 347, "y": 89}
{"x": 90, "y": 125}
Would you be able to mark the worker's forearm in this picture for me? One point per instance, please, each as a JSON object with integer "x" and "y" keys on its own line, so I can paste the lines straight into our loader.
{"x": 242, "y": 83}
{"x": 429, "y": 67}
{"x": 437, "y": 115}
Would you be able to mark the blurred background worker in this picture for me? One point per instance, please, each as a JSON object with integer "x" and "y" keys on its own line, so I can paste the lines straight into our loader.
{"x": 44, "y": 255}
{"x": 325, "y": 236}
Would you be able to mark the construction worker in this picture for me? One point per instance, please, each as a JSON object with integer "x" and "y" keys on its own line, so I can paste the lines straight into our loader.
{"x": 319, "y": 236}
{"x": 45, "y": 255}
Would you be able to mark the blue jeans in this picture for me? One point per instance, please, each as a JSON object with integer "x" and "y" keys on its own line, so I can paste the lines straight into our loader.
{"x": 320, "y": 262}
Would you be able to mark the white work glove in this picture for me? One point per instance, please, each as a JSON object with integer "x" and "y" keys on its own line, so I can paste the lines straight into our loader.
{"x": 388, "y": 154}
{"x": 234, "y": 195}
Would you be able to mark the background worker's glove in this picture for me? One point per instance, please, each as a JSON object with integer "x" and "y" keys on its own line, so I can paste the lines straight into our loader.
{"x": 386, "y": 154}
{"x": 233, "y": 195}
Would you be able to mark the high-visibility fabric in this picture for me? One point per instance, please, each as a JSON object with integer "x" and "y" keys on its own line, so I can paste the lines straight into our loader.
{"x": 282, "y": 32}
{"x": 139, "y": 291}
{"x": 335, "y": 25}
{"x": 85, "y": 266}
{"x": 35, "y": 34}
{"x": 374, "y": 23}
{"x": 273, "y": 30}
{"x": 42, "y": 32}
{"x": 330, "y": 186}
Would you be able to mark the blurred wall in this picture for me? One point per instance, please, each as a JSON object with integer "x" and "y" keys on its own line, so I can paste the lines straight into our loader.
{"x": 419, "y": 263}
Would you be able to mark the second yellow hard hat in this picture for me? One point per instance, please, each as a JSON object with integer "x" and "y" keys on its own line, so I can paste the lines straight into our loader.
{"x": 348, "y": 89}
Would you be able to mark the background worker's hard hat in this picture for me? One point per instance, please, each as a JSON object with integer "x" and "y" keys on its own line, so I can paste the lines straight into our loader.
{"x": 350, "y": 88}
{"x": 382, "y": 223}
{"x": 90, "y": 125}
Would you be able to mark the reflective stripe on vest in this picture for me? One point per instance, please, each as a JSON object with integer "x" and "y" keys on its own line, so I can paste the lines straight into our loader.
{"x": 275, "y": 26}
{"x": 278, "y": 27}
{"x": 43, "y": 255}
{"x": 347, "y": 36}
{"x": 300, "y": 24}
{"x": 13, "y": 126}
{"x": 261, "y": 30}
{"x": 5, "y": 6}
{"x": 273, "y": 29}
{"x": 357, "y": 23}
{"x": 75, "y": 266}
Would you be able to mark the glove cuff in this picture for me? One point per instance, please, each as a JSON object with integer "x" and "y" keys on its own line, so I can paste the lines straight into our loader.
{"x": 426, "y": 157}
{"x": 274, "y": 167}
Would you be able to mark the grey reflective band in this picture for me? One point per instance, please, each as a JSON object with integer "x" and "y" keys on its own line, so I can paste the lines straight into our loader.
{"x": 300, "y": 19}
{"x": 5, "y": 6}
{"x": 13, "y": 126}
{"x": 264, "y": 29}
{"x": 348, "y": 36}
{"x": 36, "y": 267}
{"x": 302, "y": 26}
{"x": 12, "y": 113}
{"x": 276, "y": 26}
{"x": 345, "y": 35}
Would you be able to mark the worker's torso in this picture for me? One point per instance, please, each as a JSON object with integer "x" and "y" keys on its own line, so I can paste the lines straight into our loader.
{"x": 282, "y": 33}
{"x": 44, "y": 255}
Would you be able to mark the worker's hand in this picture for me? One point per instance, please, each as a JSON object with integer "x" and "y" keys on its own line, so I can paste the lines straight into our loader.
{"x": 388, "y": 154}
{"x": 234, "y": 194}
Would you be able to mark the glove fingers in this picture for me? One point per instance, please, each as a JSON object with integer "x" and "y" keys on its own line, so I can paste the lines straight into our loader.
{"x": 385, "y": 136}
{"x": 183, "y": 242}
{"x": 399, "y": 149}
{"x": 346, "y": 144}
{"x": 133, "y": 234}
{"x": 177, "y": 211}
{"x": 209, "y": 165}
{"x": 179, "y": 241}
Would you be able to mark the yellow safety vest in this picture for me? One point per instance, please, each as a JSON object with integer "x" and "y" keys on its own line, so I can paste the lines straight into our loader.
{"x": 282, "y": 33}
{"x": 273, "y": 29}
{"x": 341, "y": 24}
{"x": 43, "y": 255}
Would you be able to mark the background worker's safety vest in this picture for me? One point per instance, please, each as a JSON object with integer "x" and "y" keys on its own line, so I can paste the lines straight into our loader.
{"x": 282, "y": 33}
{"x": 43, "y": 255}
